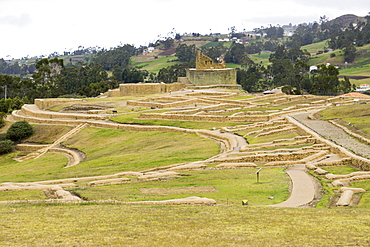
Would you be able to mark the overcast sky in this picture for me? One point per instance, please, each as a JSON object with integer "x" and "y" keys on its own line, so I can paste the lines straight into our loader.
{"x": 40, "y": 27}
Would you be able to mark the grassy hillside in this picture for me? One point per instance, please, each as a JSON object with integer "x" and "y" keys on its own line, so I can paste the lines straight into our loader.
{"x": 109, "y": 223}
{"x": 357, "y": 115}
{"x": 129, "y": 225}
{"x": 110, "y": 151}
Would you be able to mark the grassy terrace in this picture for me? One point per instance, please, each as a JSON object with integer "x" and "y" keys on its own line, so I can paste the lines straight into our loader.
{"x": 329, "y": 191}
{"x": 111, "y": 151}
{"x": 269, "y": 138}
{"x": 357, "y": 115}
{"x": 133, "y": 119}
{"x": 227, "y": 187}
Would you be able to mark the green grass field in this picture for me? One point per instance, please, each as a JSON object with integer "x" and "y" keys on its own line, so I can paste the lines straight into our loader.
{"x": 230, "y": 187}
{"x": 133, "y": 118}
{"x": 357, "y": 115}
{"x": 141, "y": 225}
{"x": 228, "y": 223}
{"x": 157, "y": 64}
{"x": 109, "y": 152}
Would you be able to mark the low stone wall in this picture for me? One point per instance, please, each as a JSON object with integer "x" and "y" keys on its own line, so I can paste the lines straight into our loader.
{"x": 357, "y": 136}
{"x": 158, "y": 175}
{"x": 267, "y": 157}
{"x": 29, "y": 147}
{"x": 33, "y": 186}
{"x": 128, "y": 89}
{"x": 331, "y": 176}
{"x": 277, "y": 145}
{"x": 347, "y": 181}
{"x": 191, "y": 166}
{"x": 253, "y": 126}
{"x": 268, "y": 96}
{"x": 305, "y": 160}
{"x": 61, "y": 182}
{"x": 74, "y": 156}
{"x": 236, "y": 165}
{"x": 358, "y": 161}
{"x": 48, "y": 103}
{"x": 27, "y": 110}
{"x": 194, "y": 200}
{"x": 228, "y": 139}
{"x": 342, "y": 162}
{"x": 205, "y": 118}
{"x": 114, "y": 93}
{"x": 109, "y": 181}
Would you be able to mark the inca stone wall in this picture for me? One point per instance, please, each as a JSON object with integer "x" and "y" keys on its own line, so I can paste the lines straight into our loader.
{"x": 211, "y": 76}
{"x": 144, "y": 89}
{"x": 47, "y": 103}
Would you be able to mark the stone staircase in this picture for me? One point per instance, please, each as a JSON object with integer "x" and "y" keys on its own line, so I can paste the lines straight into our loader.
{"x": 44, "y": 150}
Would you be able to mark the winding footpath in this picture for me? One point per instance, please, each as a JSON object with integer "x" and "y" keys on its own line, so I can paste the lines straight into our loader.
{"x": 303, "y": 187}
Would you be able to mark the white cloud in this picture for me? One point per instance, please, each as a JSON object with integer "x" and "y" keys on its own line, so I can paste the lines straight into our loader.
{"x": 35, "y": 27}
{"x": 22, "y": 21}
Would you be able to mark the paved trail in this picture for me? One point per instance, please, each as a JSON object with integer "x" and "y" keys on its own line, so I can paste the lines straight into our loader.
{"x": 303, "y": 186}
{"x": 335, "y": 134}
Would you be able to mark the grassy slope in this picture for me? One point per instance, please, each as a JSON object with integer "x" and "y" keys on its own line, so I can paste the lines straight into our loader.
{"x": 357, "y": 115}
{"x": 154, "y": 65}
{"x": 111, "y": 151}
{"x": 128, "y": 225}
{"x": 133, "y": 118}
{"x": 360, "y": 67}
{"x": 117, "y": 225}
{"x": 232, "y": 186}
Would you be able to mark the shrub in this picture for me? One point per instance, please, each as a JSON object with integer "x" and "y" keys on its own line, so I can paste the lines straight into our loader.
{"x": 19, "y": 130}
{"x": 2, "y": 122}
{"x": 6, "y": 146}
{"x": 3, "y": 137}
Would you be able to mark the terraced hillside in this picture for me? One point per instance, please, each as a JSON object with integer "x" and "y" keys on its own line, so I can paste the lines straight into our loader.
{"x": 120, "y": 165}
{"x": 183, "y": 140}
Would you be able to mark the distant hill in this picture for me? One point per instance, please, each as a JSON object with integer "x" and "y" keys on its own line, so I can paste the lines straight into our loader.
{"x": 346, "y": 20}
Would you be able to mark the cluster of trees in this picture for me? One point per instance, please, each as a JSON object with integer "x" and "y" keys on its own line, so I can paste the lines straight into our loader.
{"x": 119, "y": 56}
{"x": 53, "y": 79}
{"x": 16, "y": 132}
{"x": 16, "y": 69}
{"x": 306, "y": 34}
{"x": 272, "y": 32}
{"x": 350, "y": 38}
{"x": 289, "y": 70}
{"x": 340, "y": 37}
